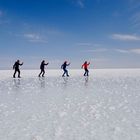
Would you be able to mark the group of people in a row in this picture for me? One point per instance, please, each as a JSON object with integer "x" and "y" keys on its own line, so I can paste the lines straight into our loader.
{"x": 42, "y": 68}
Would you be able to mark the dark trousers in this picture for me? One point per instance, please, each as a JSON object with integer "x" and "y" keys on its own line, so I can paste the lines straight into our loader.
{"x": 17, "y": 70}
{"x": 86, "y": 72}
{"x": 65, "y": 72}
{"x": 42, "y": 72}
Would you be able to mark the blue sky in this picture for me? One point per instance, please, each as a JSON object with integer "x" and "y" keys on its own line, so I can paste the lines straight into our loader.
{"x": 104, "y": 32}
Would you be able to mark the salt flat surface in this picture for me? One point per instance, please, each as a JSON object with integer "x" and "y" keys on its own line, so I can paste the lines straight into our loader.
{"x": 103, "y": 106}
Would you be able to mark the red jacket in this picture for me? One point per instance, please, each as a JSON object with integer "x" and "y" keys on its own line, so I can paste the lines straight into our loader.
{"x": 85, "y": 65}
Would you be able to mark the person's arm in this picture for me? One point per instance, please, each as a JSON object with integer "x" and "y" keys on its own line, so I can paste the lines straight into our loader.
{"x": 62, "y": 66}
{"x": 21, "y": 64}
{"x": 46, "y": 63}
{"x": 68, "y": 64}
{"x": 14, "y": 66}
{"x": 89, "y": 63}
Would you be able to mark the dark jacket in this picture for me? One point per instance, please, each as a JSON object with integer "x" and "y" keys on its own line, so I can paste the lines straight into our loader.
{"x": 16, "y": 65}
{"x": 42, "y": 66}
{"x": 63, "y": 66}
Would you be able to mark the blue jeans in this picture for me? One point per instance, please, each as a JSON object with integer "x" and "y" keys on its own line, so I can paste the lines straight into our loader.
{"x": 86, "y": 72}
{"x": 65, "y": 72}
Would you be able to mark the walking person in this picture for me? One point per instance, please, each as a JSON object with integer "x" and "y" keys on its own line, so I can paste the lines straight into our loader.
{"x": 16, "y": 68}
{"x": 63, "y": 66}
{"x": 42, "y": 67}
{"x": 85, "y": 66}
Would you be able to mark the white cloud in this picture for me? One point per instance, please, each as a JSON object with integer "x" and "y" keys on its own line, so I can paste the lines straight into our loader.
{"x": 135, "y": 19}
{"x": 96, "y": 50}
{"x": 134, "y": 51}
{"x": 137, "y": 51}
{"x": 81, "y": 3}
{"x": 116, "y": 14}
{"x": 134, "y": 14}
{"x": 88, "y": 44}
{"x": 134, "y": 4}
{"x": 31, "y": 36}
{"x": 1, "y": 13}
{"x": 54, "y": 32}
{"x": 83, "y": 44}
{"x": 99, "y": 59}
{"x": 97, "y": 45}
{"x": 125, "y": 37}
{"x": 3, "y": 18}
{"x": 122, "y": 50}
{"x": 35, "y": 38}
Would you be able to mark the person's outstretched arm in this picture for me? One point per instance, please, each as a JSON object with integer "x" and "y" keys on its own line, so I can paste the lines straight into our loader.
{"x": 88, "y": 63}
{"x": 21, "y": 64}
{"x": 68, "y": 64}
{"x": 46, "y": 63}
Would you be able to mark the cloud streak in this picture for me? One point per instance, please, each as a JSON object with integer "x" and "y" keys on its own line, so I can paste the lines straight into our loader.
{"x": 96, "y": 50}
{"x": 81, "y": 3}
{"x": 135, "y": 19}
{"x": 125, "y": 37}
{"x": 83, "y": 44}
{"x": 88, "y": 44}
{"x": 1, "y": 13}
{"x": 129, "y": 51}
{"x": 134, "y": 6}
{"x": 123, "y": 51}
{"x": 35, "y": 38}
{"x": 136, "y": 51}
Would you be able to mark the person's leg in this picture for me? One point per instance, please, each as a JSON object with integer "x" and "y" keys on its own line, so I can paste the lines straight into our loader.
{"x": 43, "y": 73}
{"x": 87, "y": 71}
{"x": 64, "y": 72}
{"x": 67, "y": 73}
{"x": 40, "y": 73}
{"x": 18, "y": 73}
{"x": 14, "y": 73}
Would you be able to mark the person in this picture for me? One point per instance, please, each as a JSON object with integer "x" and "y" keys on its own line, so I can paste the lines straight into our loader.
{"x": 63, "y": 66}
{"x": 16, "y": 67}
{"x": 85, "y": 66}
{"x": 42, "y": 67}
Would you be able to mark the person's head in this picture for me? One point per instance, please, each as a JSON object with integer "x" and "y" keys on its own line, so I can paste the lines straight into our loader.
{"x": 18, "y": 61}
{"x": 85, "y": 62}
{"x": 65, "y": 62}
{"x": 43, "y": 61}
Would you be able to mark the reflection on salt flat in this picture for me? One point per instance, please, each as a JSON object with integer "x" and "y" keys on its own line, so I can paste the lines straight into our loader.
{"x": 99, "y": 107}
